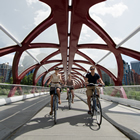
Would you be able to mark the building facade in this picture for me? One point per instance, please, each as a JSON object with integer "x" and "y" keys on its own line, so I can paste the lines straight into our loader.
{"x": 5, "y": 72}
{"x": 135, "y": 65}
{"x": 127, "y": 74}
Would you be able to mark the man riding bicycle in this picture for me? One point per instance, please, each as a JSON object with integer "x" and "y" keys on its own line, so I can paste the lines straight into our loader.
{"x": 70, "y": 83}
{"x": 92, "y": 77}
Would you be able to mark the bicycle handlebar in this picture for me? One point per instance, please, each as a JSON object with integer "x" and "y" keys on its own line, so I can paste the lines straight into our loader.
{"x": 69, "y": 86}
{"x": 92, "y": 84}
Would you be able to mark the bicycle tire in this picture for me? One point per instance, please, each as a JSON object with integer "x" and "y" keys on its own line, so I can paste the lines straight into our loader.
{"x": 92, "y": 107}
{"x": 55, "y": 110}
{"x": 98, "y": 112}
{"x": 69, "y": 100}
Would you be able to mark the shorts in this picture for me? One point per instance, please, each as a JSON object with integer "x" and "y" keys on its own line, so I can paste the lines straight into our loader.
{"x": 90, "y": 90}
{"x": 52, "y": 90}
{"x": 71, "y": 88}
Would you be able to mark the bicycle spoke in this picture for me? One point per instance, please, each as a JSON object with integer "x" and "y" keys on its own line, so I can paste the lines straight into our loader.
{"x": 98, "y": 112}
{"x": 55, "y": 110}
{"x": 69, "y": 100}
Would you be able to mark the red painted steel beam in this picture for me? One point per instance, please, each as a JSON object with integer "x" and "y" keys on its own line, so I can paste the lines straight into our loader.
{"x": 79, "y": 15}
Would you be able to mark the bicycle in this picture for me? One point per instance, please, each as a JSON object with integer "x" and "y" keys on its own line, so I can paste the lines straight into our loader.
{"x": 69, "y": 96}
{"x": 55, "y": 103}
{"x": 96, "y": 109}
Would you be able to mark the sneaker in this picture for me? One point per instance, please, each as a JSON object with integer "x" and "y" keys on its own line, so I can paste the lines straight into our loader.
{"x": 51, "y": 112}
{"x": 89, "y": 112}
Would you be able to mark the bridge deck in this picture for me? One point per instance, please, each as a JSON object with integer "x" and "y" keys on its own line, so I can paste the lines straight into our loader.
{"x": 72, "y": 124}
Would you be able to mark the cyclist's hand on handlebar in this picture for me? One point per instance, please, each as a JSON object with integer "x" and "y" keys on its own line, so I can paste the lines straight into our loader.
{"x": 48, "y": 84}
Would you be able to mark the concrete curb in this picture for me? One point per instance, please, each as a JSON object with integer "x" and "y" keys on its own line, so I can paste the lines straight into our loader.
{"x": 13, "y": 99}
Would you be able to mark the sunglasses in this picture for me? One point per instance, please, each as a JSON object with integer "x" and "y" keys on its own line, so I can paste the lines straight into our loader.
{"x": 56, "y": 69}
{"x": 92, "y": 69}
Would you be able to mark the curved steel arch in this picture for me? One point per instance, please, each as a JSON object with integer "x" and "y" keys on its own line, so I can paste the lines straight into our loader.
{"x": 59, "y": 16}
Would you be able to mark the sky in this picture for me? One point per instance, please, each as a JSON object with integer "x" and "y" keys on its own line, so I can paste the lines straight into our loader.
{"x": 118, "y": 18}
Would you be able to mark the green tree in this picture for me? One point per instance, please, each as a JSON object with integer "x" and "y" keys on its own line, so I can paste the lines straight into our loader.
{"x": 25, "y": 80}
{"x": 30, "y": 79}
{"x": 1, "y": 79}
{"x": 11, "y": 80}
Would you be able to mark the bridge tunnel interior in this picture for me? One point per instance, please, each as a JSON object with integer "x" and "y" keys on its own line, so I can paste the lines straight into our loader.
{"x": 63, "y": 44}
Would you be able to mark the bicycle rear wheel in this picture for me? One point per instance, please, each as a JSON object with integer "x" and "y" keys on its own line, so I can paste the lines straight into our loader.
{"x": 55, "y": 110}
{"x": 69, "y": 100}
{"x": 98, "y": 112}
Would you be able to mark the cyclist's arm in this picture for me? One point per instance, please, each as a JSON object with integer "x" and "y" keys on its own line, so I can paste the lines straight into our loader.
{"x": 101, "y": 81}
{"x": 61, "y": 80}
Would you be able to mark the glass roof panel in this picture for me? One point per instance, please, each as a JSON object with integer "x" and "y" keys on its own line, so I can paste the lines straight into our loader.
{"x": 7, "y": 59}
{"x": 60, "y": 66}
{"x": 41, "y": 53}
{"x": 22, "y": 16}
{"x": 79, "y": 57}
{"x": 56, "y": 57}
{"x": 94, "y": 54}
{"x": 86, "y": 66}
{"x": 47, "y": 75}
{"x": 87, "y": 35}
{"x": 79, "y": 77}
{"x": 82, "y": 72}
{"x": 40, "y": 71}
{"x": 5, "y": 40}
{"x": 25, "y": 62}
{"x": 110, "y": 63}
{"x": 133, "y": 43}
{"x": 47, "y": 66}
{"x": 50, "y": 35}
{"x": 118, "y": 18}
{"x": 74, "y": 66}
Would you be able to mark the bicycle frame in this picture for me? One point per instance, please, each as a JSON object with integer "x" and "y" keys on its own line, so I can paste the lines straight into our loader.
{"x": 96, "y": 109}
{"x": 69, "y": 96}
{"x": 55, "y": 104}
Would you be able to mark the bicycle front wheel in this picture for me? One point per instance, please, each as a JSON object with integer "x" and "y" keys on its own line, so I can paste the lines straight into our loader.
{"x": 55, "y": 110}
{"x": 98, "y": 112}
{"x": 69, "y": 100}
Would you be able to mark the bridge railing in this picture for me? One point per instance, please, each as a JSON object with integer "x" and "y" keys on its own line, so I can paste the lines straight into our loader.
{"x": 128, "y": 95}
{"x": 14, "y": 92}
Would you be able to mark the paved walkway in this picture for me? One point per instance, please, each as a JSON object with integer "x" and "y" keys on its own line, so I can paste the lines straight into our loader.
{"x": 72, "y": 124}
{"x": 14, "y": 115}
{"x": 126, "y": 119}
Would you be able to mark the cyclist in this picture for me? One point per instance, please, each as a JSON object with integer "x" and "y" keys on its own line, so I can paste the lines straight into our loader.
{"x": 70, "y": 83}
{"x": 92, "y": 77}
{"x": 55, "y": 79}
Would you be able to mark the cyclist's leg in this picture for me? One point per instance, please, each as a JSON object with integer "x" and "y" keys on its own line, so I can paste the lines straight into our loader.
{"x": 89, "y": 93}
{"x": 52, "y": 90}
{"x": 72, "y": 94}
{"x": 67, "y": 93}
{"x": 58, "y": 92}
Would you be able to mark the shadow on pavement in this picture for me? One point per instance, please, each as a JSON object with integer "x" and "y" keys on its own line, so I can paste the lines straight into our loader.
{"x": 46, "y": 122}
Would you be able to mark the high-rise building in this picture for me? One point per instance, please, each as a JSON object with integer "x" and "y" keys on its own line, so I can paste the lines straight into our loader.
{"x": 5, "y": 72}
{"x": 107, "y": 80}
{"x": 127, "y": 75}
{"x": 135, "y": 65}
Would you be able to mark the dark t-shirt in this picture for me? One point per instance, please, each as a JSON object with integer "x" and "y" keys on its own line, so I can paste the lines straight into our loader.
{"x": 92, "y": 79}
